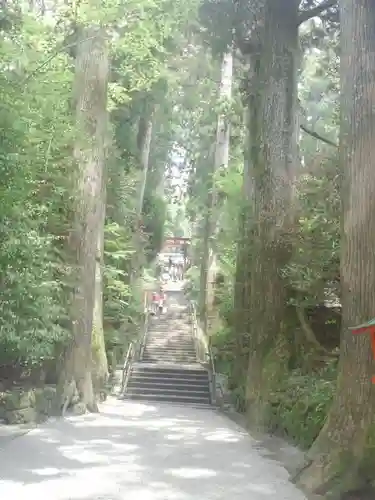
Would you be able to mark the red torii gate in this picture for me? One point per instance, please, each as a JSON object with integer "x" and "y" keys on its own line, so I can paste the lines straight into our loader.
{"x": 368, "y": 327}
{"x": 177, "y": 243}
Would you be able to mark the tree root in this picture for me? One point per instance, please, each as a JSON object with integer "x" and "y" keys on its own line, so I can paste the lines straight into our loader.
{"x": 70, "y": 393}
{"x": 330, "y": 475}
{"x": 92, "y": 407}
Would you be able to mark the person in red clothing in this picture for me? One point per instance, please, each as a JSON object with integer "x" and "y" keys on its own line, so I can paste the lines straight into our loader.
{"x": 158, "y": 301}
{"x": 162, "y": 297}
{"x": 154, "y": 302}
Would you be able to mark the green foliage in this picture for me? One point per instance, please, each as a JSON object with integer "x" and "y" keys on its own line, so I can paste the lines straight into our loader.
{"x": 117, "y": 254}
{"x": 316, "y": 261}
{"x": 299, "y": 407}
{"x": 154, "y": 215}
{"x": 35, "y": 126}
{"x": 192, "y": 278}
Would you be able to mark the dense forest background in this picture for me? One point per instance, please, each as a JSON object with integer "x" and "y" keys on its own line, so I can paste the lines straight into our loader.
{"x": 247, "y": 126}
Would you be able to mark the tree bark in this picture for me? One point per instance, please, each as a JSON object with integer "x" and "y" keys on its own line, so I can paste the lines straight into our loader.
{"x": 243, "y": 258}
{"x": 99, "y": 355}
{"x": 221, "y": 159}
{"x": 338, "y": 452}
{"x": 144, "y": 145}
{"x": 90, "y": 88}
{"x": 205, "y": 230}
{"x": 273, "y": 159}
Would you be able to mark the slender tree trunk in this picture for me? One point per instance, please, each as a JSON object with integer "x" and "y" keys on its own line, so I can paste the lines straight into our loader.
{"x": 338, "y": 452}
{"x": 273, "y": 157}
{"x": 144, "y": 145}
{"x": 99, "y": 355}
{"x": 91, "y": 74}
{"x": 204, "y": 227}
{"x": 221, "y": 159}
{"x": 241, "y": 284}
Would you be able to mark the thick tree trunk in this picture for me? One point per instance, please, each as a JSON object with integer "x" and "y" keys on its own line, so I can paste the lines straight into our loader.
{"x": 339, "y": 449}
{"x": 91, "y": 74}
{"x": 273, "y": 157}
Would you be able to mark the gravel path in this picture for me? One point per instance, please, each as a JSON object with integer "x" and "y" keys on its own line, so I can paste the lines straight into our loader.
{"x": 134, "y": 451}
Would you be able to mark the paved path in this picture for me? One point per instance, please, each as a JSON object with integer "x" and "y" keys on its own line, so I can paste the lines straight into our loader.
{"x": 134, "y": 451}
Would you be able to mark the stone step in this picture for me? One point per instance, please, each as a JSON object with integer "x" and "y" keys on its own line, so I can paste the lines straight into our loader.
{"x": 155, "y": 367}
{"x": 169, "y": 345}
{"x": 169, "y": 341}
{"x": 177, "y": 404}
{"x": 165, "y": 377}
{"x": 170, "y": 398}
{"x": 169, "y": 371}
{"x": 160, "y": 373}
{"x": 177, "y": 350}
{"x": 170, "y": 359}
{"x": 166, "y": 345}
{"x": 166, "y": 385}
{"x": 169, "y": 391}
{"x": 168, "y": 332}
{"x": 170, "y": 355}
{"x": 171, "y": 350}
{"x": 169, "y": 336}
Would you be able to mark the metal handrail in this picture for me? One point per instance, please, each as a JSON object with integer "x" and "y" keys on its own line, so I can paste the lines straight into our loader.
{"x": 135, "y": 351}
{"x": 145, "y": 332}
{"x": 208, "y": 354}
{"x": 126, "y": 367}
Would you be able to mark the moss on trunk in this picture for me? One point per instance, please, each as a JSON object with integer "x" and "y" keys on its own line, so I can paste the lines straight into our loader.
{"x": 272, "y": 166}
{"x": 337, "y": 457}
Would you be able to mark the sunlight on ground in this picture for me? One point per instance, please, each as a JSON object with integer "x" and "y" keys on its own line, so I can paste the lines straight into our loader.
{"x": 222, "y": 435}
{"x": 141, "y": 452}
{"x": 175, "y": 437}
{"x": 80, "y": 454}
{"x": 47, "y": 471}
{"x": 190, "y": 473}
{"x": 263, "y": 488}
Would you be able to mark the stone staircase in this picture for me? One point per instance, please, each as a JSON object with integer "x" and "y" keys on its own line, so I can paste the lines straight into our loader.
{"x": 169, "y": 340}
{"x": 168, "y": 370}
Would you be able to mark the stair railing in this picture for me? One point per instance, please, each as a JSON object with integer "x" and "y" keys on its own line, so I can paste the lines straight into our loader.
{"x": 143, "y": 338}
{"x": 135, "y": 350}
{"x": 203, "y": 350}
{"x": 126, "y": 367}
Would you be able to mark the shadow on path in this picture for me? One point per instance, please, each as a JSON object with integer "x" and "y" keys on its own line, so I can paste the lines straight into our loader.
{"x": 141, "y": 452}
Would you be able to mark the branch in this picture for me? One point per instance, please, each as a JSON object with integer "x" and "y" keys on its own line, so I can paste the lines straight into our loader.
{"x": 305, "y": 15}
{"x": 56, "y": 53}
{"x": 318, "y": 136}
